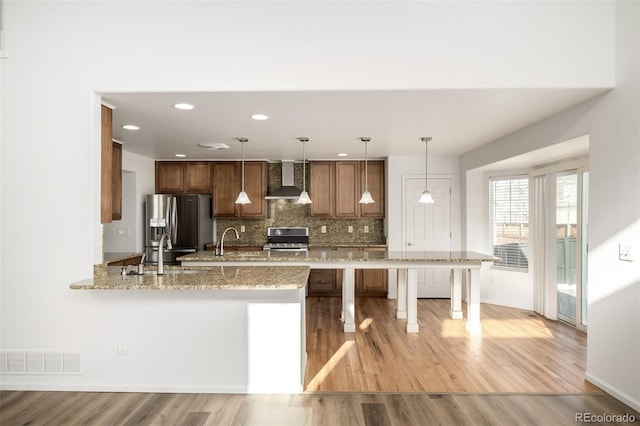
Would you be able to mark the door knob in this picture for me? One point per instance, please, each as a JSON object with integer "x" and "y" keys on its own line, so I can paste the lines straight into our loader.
{"x": 411, "y": 244}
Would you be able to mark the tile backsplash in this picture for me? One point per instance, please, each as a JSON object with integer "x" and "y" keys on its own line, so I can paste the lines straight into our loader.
{"x": 289, "y": 213}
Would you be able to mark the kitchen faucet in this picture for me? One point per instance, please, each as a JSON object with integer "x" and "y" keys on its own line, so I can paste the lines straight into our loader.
{"x": 160, "y": 252}
{"x": 220, "y": 245}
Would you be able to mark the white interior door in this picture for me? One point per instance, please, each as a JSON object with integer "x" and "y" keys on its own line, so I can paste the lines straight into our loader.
{"x": 428, "y": 228}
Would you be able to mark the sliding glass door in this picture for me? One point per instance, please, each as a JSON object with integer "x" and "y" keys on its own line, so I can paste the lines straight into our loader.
{"x": 571, "y": 248}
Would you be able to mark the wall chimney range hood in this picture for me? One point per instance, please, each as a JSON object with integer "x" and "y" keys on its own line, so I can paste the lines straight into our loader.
{"x": 287, "y": 191}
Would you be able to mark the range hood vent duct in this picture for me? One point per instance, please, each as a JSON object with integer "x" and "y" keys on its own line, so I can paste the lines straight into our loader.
{"x": 287, "y": 191}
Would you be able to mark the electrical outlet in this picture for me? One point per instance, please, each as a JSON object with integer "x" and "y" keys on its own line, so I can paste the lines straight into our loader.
{"x": 242, "y": 228}
{"x": 366, "y": 229}
{"x": 323, "y": 229}
{"x": 123, "y": 232}
{"x": 350, "y": 229}
{"x": 625, "y": 253}
{"x": 123, "y": 348}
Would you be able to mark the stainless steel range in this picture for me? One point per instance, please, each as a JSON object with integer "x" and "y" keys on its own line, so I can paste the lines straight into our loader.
{"x": 287, "y": 238}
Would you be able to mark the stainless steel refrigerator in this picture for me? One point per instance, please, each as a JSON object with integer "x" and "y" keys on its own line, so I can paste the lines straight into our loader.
{"x": 186, "y": 219}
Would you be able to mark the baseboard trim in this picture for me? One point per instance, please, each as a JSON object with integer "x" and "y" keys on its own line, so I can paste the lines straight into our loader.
{"x": 133, "y": 388}
{"x": 613, "y": 391}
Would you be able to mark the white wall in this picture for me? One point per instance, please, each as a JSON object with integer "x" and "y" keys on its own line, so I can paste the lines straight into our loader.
{"x": 611, "y": 121}
{"x": 61, "y": 53}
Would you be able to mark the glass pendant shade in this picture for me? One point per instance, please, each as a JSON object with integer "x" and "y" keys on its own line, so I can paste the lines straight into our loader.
{"x": 426, "y": 198}
{"x": 366, "y": 198}
{"x": 243, "y": 198}
{"x": 304, "y": 198}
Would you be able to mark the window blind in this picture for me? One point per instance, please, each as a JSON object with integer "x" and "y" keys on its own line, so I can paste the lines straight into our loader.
{"x": 510, "y": 222}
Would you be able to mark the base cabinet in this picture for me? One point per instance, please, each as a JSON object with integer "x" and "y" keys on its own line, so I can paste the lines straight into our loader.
{"x": 368, "y": 282}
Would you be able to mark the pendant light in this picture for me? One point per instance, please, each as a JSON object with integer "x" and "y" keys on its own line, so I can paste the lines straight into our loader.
{"x": 426, "y": 197}
{"x": 243, "y": 198}
{"x": 304, "y": 195}
{"x": 366, "y": 195}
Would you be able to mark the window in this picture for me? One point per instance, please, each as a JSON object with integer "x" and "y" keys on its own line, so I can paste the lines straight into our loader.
{"x": 510, "y": 222}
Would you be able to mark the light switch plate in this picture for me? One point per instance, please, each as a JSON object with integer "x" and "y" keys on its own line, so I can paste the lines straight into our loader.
{"x": 323, "y": 229}
{"x": 242, "y": 228}
{"x": 350, "y": 229}
{"x": 123, "y": 348}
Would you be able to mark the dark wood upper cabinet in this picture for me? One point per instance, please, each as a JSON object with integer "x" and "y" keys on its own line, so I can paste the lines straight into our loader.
{"x": 116, "y": 181}
{"x": 106, "y": 160}
{"x": 226, "y": 186}
{"x": 183, "y": 177}
{"x": 336, "y": 187}
{"x": 322, "y": 188}
{"x": 169, "y": 177}
{"x": 255, "y": 185}
{"x": 347, "y": 188}
{"x": 197, "y": 177}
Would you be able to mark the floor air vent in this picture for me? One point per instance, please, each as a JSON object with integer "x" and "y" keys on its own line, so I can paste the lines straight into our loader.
{"x": 40, "y": 363}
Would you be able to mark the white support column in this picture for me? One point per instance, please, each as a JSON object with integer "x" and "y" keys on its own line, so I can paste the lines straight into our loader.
{"x": 348, "y": 300}
{"x": 473, "y": 302}
{"x": 456, "y": 294}
{"x": 401, "y": 312}
{"x": 412, "y": 301}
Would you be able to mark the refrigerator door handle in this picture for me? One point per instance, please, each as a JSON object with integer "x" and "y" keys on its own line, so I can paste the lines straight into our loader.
{"x": 174, "y": 222}
{"x": 167, "y": 218}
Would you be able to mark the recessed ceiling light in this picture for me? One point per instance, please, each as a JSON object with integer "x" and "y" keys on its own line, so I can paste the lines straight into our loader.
{"x": 181, "y": 155}
{"x": 130, "y": 127}
{"x": 260, "y": 117}
{"x": 183, "y": 105}
{"x": 343, "y": 154}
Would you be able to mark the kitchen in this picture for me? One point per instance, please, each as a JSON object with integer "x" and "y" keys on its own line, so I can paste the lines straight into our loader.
{"x": 42, "y": 293}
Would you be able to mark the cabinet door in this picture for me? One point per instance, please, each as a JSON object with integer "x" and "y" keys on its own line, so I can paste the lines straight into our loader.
{"x": 375, "y": 183}
{"x": 321, "y": 188}
{"x": 372, "y": 282}
{"x": 198, "y": 177}
{"x": 169, "y": 177}
{"x": 255, "y": 185}
{"x": 347, "y": 188}
{"x": 116, "y": 186}
{"x": 106, "y": 163}
{"x": 322, "y": 282}
{"x": 225, "y": 188}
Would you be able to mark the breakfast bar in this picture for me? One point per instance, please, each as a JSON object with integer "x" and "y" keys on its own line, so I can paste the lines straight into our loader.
{"x": 251, "y": 320}
{"x": 464, "y": 264}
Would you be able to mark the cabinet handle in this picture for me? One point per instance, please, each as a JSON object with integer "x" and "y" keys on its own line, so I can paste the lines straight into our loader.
{"x": 411, "y": 244}
{"x": 322, "y": 281}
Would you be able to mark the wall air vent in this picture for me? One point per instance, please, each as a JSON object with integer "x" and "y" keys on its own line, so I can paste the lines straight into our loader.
{"x": 48, "y": 362}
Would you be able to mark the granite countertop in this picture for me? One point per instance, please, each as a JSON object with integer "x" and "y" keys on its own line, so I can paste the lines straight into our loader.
{"x": 342, "y": 245}
{"x": 202, "y": 278}
{"x": 115, "y": 257}
{"x": 340, "y": 256}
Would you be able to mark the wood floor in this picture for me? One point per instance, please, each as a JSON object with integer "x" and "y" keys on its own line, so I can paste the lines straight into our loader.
{"x": 517, "y": 351}
{"x": 522, "y": 370}
{"x": 330, "y": 409}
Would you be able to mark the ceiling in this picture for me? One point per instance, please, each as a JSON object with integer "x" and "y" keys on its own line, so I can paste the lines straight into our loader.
{"x": 457, "y": 120}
